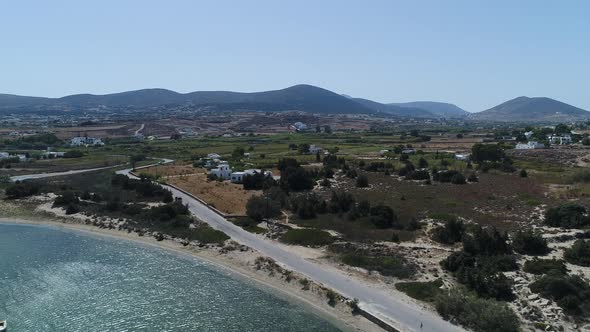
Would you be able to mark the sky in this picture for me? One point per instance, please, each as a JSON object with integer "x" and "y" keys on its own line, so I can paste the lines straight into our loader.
{"x": 475, "y": 54}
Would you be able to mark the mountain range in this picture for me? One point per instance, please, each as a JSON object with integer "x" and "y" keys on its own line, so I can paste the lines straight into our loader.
{"x": 306, "y": 98}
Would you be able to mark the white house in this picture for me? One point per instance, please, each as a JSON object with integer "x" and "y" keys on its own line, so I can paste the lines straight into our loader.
{"x": 409, "y": 151}
{"x": 4, "y": 155}
{"x": 528, "y": 134}
{"x": 315, "y": 149}
{"x": 299, "y": 126}
{"x": 462, "y": 156}
{"x": 213, "y": 156}
{"x": 53, "y": 154}
{"x": 222, "y": 171}
{"x": 238, "y": 177}
{"x": 79, "y": 141}
{"x": 529, "y": 146}
{"x": 559, "y": 140}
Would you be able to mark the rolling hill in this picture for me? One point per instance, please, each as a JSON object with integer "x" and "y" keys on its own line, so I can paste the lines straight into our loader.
{"x": 401, "y": 111}
{"x": 437, "y": 108}
{"x": 537, "y": 109}
{"x": 305, "y": 98}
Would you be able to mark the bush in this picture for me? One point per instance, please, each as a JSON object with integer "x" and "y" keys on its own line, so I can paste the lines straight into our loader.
{"x": 21, "y": 190}
{"x": 472, "y": 178}
{"x": 386, "y": 265}
{"x": 477, "y": 314}
{"x": 362, "y": 181}
{"x": 529, "y": 243}
{"x": 260, "y": 208}
{"x": 423, "y": 291}
{"x": 74, "y": 154}
{"x": 458, "y": 179}
{"x": 72, "y": 209}
{"x": 66, "y": 198}
{"x": 450, "y": 233}
{"x": 542, "y": 266}
{"x": 383, "y": 216}
{"x": 567, "y": 215}
{"x": 578, "y": 254}
{"x": 418, "y": 175}
{"x": 523, "y": 173}
{"x": 307, "y": 237}
{"x": 306, "y": 206}
{"x": 571, "y": 293}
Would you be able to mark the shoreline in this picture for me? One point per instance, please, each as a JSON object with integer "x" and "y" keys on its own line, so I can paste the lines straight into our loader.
{"x": 312, "y": 302}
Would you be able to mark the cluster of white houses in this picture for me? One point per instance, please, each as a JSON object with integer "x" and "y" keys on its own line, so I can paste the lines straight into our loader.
{"x": 552, "y": 139}
{"x": 86, "y": 141}
{"x": 222, "y": 170}
{"x": 6, "y": 155}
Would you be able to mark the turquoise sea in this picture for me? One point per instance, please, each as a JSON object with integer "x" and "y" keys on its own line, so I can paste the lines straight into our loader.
{"x": 61, "y": 280}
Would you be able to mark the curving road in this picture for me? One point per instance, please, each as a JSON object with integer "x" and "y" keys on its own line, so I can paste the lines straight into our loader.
{"x": 403, "y": 315}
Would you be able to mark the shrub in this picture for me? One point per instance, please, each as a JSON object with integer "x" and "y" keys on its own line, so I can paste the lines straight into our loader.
{"x": 386, "y": 265}
{"x": 74, "y": 154}
{"x": 523, "y": 173}
{"x": 72, "y": 209}
{"x": 529, "y": 243}
{"x": 259, "y": 208}
{"x": 341, "y": 201}
{"x": 418, "y": 175}
{"x": 422, "y": 163}
{"x": 307, "y": 237}
{"x": 66, "y": 198}
{"x": 472, "y": 178}
{"x": 481, "y": 315}
{"x": 383, "y": 216}
{"x": 542, "y": 266}
{"x": 571, "y": 293}
{"x": 362, "y": 181}
{"x": 458, "y": 179}
{"x": 332, "y": 297}
{"x": 487, "y": 152}
{"x": 567, "y": 215}
{"x": 23, "y": 189}
{"x": 579, "y": 253}
{"x": 450, "y": 233}
{"x": 423, "y": 291}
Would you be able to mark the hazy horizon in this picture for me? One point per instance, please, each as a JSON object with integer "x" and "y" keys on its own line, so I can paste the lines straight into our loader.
{"x": 470, "y": 54}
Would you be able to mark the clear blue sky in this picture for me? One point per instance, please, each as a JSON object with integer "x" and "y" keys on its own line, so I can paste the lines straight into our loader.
{"x": 472, "y": 53}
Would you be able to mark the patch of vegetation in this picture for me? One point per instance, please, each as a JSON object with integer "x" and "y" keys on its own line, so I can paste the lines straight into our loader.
{"x": 571, "y": 293}
{"x": 480, "y": 315}
{"x": 249, "y": 225}
{"x": 542, "y": 266}
{"x": 307, "y": 237}
{"x": 386, "y": 265}
{"x": 450, "y": 233}
{"x": 567, "y": 215}
{"x": 578, "y": 254}
{"x": 529, "y": 243}
{"x": 424, "y": 291}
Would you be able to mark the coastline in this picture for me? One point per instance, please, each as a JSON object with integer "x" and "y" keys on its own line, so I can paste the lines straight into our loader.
{"x": 339, "y": 316}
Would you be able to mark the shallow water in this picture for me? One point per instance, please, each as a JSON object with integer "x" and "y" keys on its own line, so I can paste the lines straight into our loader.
{"x": 59, "y": 280}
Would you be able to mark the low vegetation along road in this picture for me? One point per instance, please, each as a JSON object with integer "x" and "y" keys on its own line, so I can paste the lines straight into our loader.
{"x": 402, "y": 315}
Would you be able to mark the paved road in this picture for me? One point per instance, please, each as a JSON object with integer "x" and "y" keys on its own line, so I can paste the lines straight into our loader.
{"x": 405, "y": 316}
{"x": 48, "y": 175}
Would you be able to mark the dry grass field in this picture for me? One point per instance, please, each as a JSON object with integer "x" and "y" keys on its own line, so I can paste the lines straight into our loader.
{"x": 229, "y": 198}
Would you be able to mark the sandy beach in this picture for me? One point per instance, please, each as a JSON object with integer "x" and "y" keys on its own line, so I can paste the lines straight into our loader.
{"x": 237, "y": 263}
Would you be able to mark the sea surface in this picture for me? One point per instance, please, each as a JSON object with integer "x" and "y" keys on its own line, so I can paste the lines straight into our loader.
{"x": 62, "y": 280}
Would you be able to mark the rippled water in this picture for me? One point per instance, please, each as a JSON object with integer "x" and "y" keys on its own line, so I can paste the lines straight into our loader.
{"x": 56, "y": 280}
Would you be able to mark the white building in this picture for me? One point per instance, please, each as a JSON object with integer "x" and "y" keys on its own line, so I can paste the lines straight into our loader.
{"x": 315, "y": 149}
{"x": 462, "y": 156}
{"x": 4, "y": 155}
{"x": 79, "y": 141}
{"x": 213, "y": 156}
{"x": 53, "y": 154}
{"x": 528, "y": 134}
{"x": 299, "y": 126}
{"x": 559, "y": 140}
{"x": 238, "y": 177}
{"x": 222, "y": 171}
{"x": 529, "y": 146}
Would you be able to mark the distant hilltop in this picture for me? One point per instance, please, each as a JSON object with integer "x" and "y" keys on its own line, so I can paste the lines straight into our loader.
{"x": 305, "y": 98}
